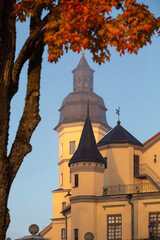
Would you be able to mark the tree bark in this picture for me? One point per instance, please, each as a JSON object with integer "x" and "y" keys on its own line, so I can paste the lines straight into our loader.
{"x": 7, "y": 54}
{"x": 10, "y": 164}
{"x": 30, "y": 117}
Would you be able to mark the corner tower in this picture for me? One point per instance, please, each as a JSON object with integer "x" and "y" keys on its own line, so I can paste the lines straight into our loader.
{"x": 73, "y": 113}
{"x": 87, "y": 180}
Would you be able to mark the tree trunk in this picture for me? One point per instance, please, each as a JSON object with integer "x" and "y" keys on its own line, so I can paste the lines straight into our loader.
{"x": 9, "y": 165}
{"x": 7, "y": 54}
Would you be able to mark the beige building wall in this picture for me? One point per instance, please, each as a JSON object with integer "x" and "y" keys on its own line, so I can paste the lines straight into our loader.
{"x": 58, "y": 199}
{"x": 119, "y": 164}
{"x": 111, "y": 208}
{"x": 68, "y": 215}
{"x": 90, "y": 178}
{"x": 151, "y": 155}
{"x": 58, "y": 224}
{"x": 145, "y": 207}
{"x": 84, "y": 218}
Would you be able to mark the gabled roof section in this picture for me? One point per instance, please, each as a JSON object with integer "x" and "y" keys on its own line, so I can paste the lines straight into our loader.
{"x": 119, "y": 135}
{"x": 87, "y": 150}
{"x": 151, "y": 141}
{"x": 45, "y": 230}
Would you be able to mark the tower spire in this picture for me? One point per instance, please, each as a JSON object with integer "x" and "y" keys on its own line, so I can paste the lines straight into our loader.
{"x": 83, "y": 76}
{"x": 87, "y": 150}
{"x": 83, "y": 52}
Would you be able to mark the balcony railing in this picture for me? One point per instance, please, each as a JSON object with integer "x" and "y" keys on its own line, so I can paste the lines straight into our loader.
{"x": 129, "y": 189}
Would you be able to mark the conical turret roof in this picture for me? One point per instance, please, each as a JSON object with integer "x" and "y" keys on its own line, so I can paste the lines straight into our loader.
{"x": 83, "y": 64}
{"x": 87, "y": 150}
{"x": 119, "y": 135}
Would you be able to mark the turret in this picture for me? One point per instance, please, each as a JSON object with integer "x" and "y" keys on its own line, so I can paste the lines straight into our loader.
{"x": 87, "y": 165}
{"x": 87, "y": 179}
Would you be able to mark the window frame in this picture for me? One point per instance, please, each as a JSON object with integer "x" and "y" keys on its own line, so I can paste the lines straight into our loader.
{"x": 76, "y": 180}
{"x": 63, "y": 205}
{"x": 76, "y": 234}
{"x": 106, "y": 162}
{"x": 61, "y": 150}
{"x": 114, "y": 224}
{"x": 63, "y": 233}
{"x": 61, "y": 179}
{"x": 72, "y": 148}
{"x": 156, "y": 222}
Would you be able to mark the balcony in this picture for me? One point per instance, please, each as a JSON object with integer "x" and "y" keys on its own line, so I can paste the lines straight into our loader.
{"x": 130, "y": 189}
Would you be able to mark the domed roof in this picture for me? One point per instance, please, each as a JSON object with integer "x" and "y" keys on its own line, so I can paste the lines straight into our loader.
{"x": 87, "y": 150}
{"x": 119, "y": 135}
{"x": 73, "y": 108}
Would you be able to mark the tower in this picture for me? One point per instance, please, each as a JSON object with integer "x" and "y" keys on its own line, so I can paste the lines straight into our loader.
{"x": 72, "y": 116}
{"x": 87, "y": 180}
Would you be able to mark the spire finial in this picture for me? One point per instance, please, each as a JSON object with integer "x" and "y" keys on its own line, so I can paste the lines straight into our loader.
{"x": 118, "y": 113}
{"x": 83, "y": 52}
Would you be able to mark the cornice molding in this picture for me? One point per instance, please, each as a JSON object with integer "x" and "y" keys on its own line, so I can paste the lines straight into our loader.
{"x": 119, "y": 145}
{"x": 63, "y": 161}
{"x": 58, "y": 219}
{"x": 151, "y": 203}
{"x": 88, "y": 168}
{"x": 114, "y": 198}
{"x": 112, "y": 206}
{"x": 60, "y": 190}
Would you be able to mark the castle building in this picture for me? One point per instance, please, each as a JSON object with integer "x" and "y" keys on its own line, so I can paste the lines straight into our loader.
{"x": 109, "y": 182}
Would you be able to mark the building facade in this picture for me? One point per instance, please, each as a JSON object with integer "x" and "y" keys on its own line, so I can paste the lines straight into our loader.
{"x": 109, "y": 182}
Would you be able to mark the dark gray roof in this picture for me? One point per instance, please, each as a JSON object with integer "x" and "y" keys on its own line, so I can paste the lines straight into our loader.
{"x": 118, "y": 135}
{"x": 83, "y": 64}
{"x": 73, "y": 108}
{"x": 87, "y": 150}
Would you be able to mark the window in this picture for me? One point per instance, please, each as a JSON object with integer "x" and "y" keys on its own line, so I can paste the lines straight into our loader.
{"x": 61, "y": 179}
{"x": 72, "y": 147}
{"x": 76, "y": 180}
{"x": 61, "y": 150}
{"x": 76, "y": 234}
{"x": 105, "y": 159}
{"x": 114, "y": 227}
{"x": 154, "y": 218}
{"x": 63, "y": 233}
{"x": 63, "y": 205}
{"x": 70, "y": 177}
{"x": 136, "y": 165}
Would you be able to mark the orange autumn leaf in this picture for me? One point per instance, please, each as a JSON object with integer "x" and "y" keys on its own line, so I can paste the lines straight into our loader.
{"x": 90, "y": 24}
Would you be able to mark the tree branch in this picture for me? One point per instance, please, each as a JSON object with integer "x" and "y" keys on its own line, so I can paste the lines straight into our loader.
{"x": 30, "y": 119}
{"x": 26, "y": 52}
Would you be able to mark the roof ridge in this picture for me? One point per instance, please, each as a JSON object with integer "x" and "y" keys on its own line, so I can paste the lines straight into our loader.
{"x": 151, "y": 138}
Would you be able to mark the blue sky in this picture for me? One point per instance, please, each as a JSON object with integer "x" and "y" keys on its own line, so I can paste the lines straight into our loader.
{"x": 131, "y": 82}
